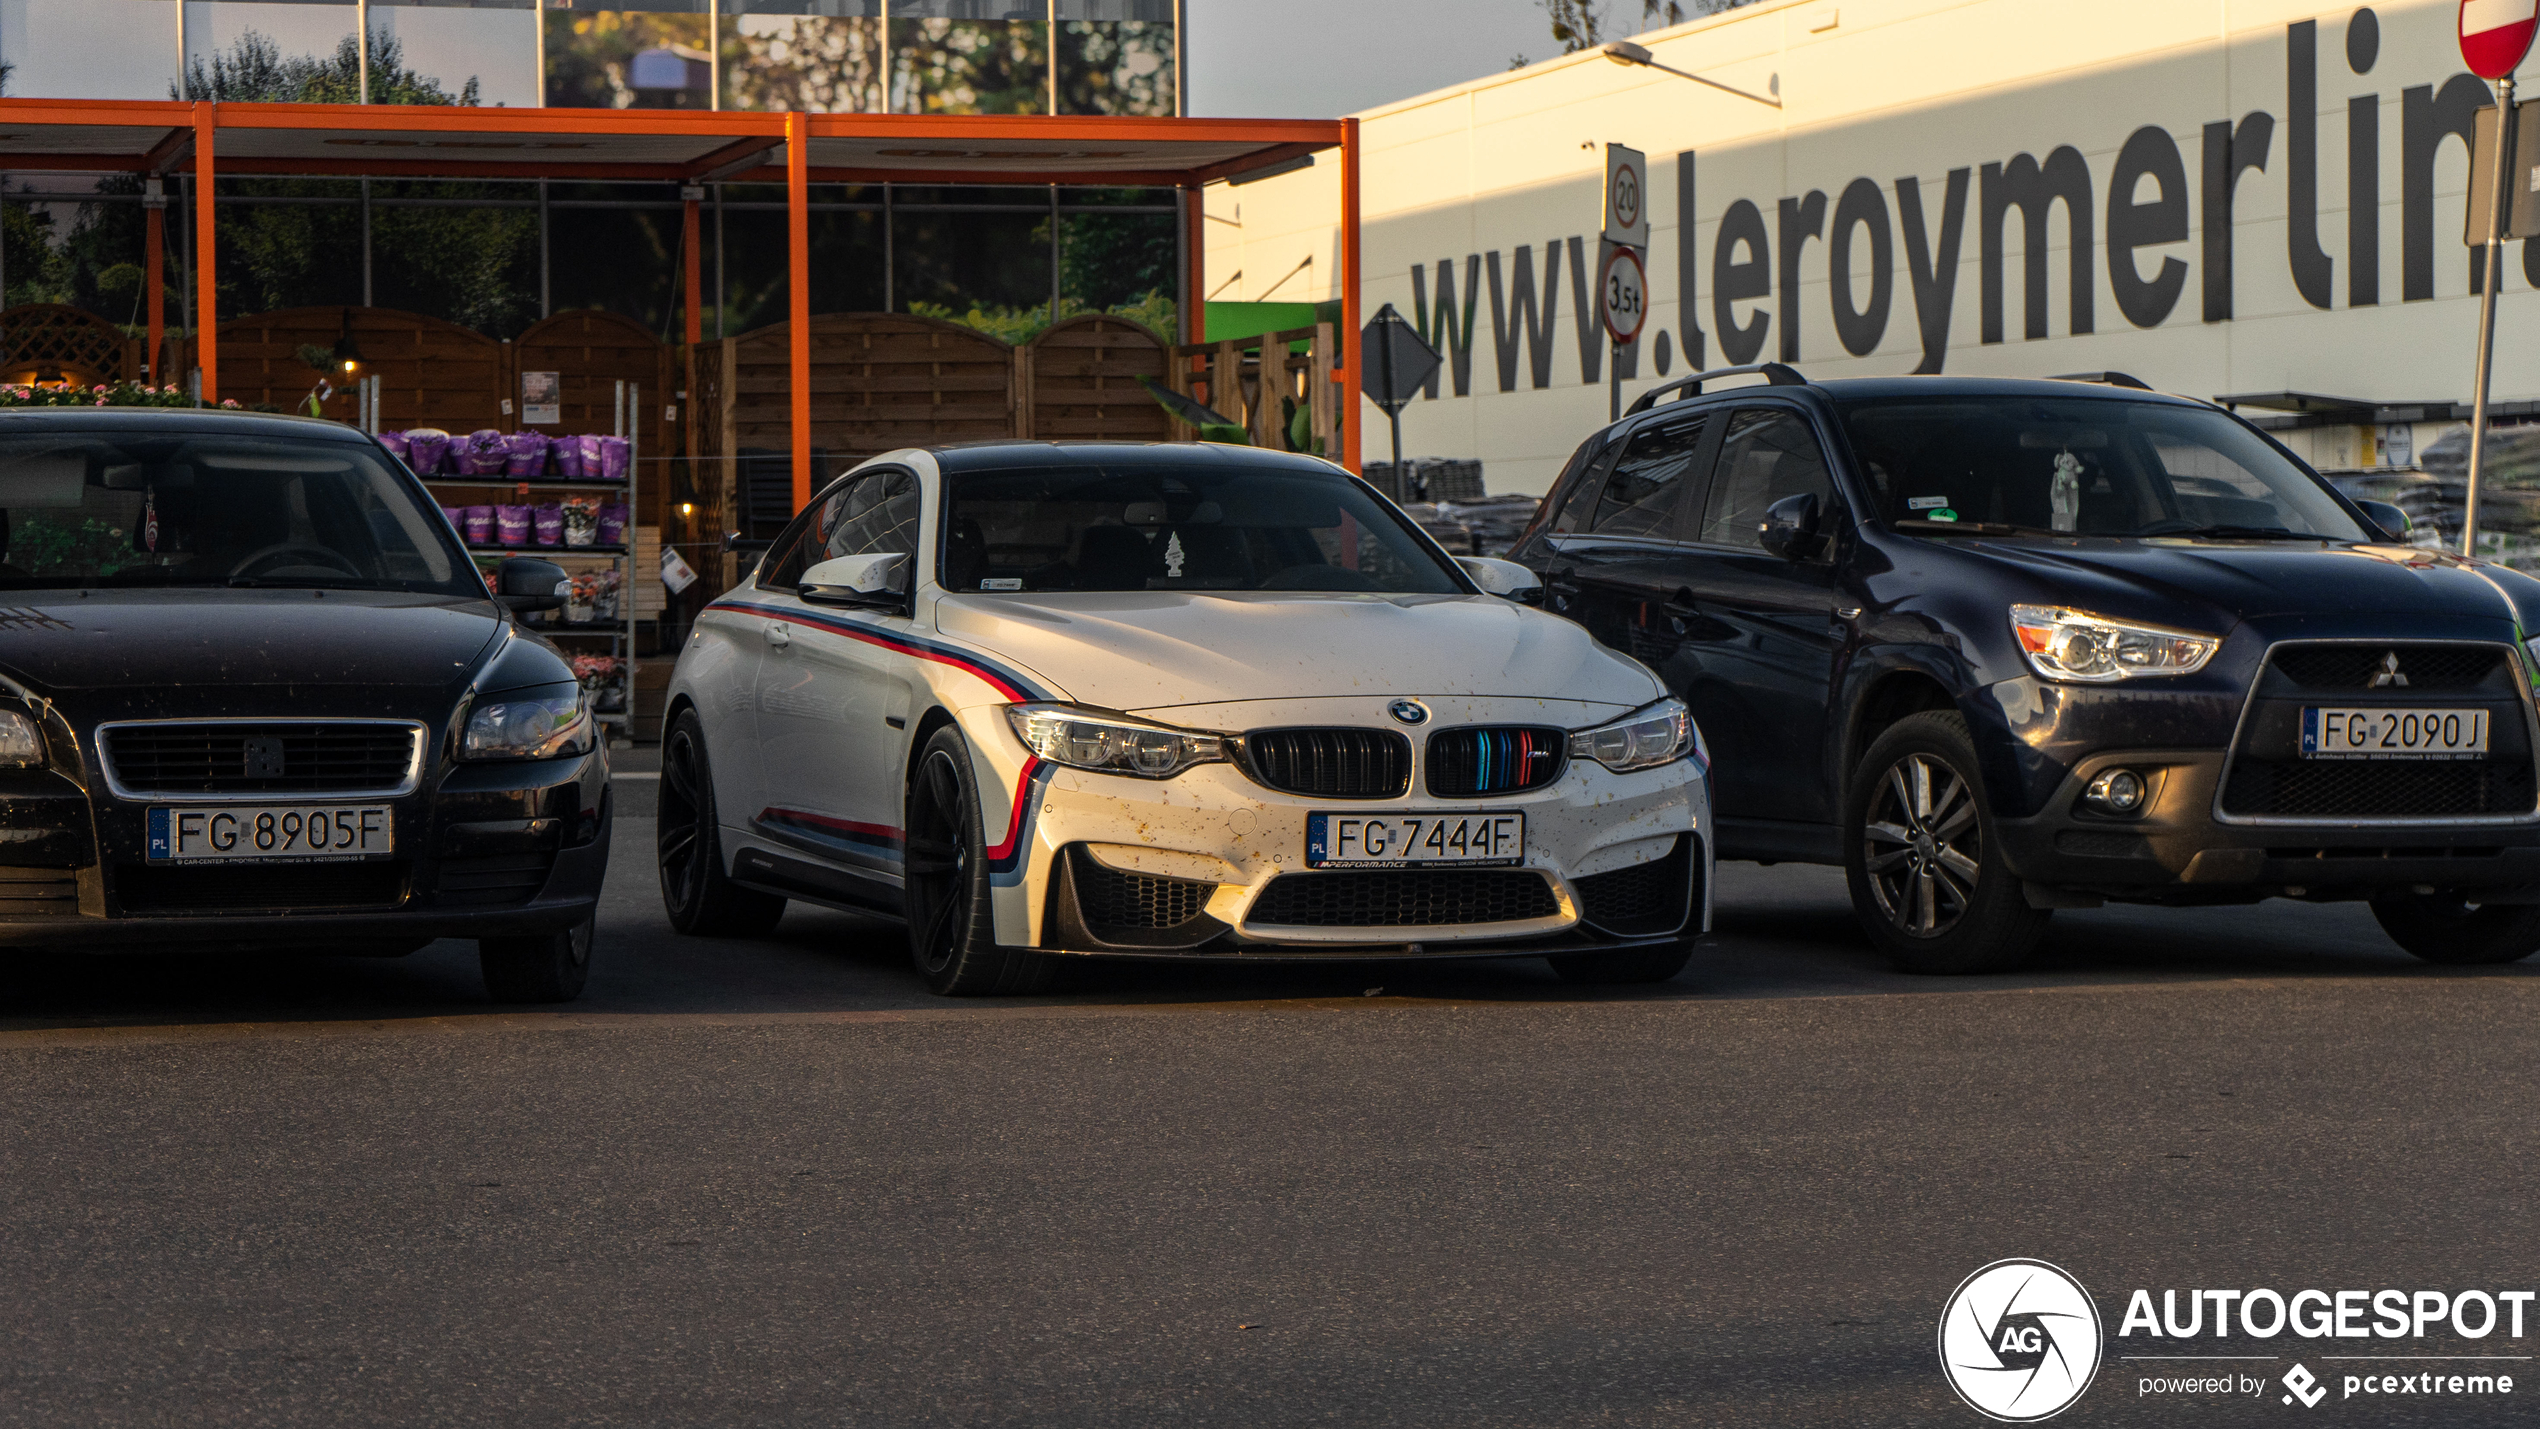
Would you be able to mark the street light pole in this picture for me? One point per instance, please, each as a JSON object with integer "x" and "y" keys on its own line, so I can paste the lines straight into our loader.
{"x": 2492, "y": 269}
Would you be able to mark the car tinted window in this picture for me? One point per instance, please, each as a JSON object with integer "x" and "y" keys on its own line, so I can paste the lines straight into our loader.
{"x": 1767, "y": 454}
{"x": 870, "y": 514}
{"x": 1577, "y": 488}
{"x": 2092, "y": 466}
{"x": 105, "y": 508}
{"x": 1207, "y": 525}
{"x": 1641, "y": 498}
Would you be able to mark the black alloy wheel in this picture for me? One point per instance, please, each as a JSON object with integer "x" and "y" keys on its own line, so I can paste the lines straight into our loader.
{"x": 951, "y": 920}
{"x": 700, "y": 898}
{"x": 2449, "y": 927}
{"x": 1928, "y": 882}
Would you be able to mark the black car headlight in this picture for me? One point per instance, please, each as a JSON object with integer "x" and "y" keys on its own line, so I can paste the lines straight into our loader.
{"x": 1111, "y": 743}
{"x": 21, "y": 743}
{"x": 1652, "y": 735}
{"x": 548, "y": 722}
{"x": 2091, "y": 649}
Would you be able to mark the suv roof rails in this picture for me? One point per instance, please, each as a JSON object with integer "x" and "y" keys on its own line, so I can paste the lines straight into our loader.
{"x": 2105, "y": 379}
{"x": 1775, "y": 374}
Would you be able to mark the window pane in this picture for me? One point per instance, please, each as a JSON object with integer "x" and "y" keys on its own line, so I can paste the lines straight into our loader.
{"x": 980, "y": 57}
{"x": 1647, "y": 486}
{"x": 1766, "y": 457}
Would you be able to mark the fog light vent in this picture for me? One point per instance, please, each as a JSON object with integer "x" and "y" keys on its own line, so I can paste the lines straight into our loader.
{"x": 2121, "y": 792}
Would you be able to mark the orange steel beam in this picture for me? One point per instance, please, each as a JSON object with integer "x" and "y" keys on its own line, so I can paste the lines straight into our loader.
{"x": 728, "y": 160}
{"x": 798, "y": 293}
{"x": 169, "y": 152}
{"x": 154, "y": 282}
{"x": 690, "y": 241}
{"x": 1345, "y": 358}
{"x": 206, "y": 271}
{"x": 1258, "y": 159}
{"x": 1195, "y": 223}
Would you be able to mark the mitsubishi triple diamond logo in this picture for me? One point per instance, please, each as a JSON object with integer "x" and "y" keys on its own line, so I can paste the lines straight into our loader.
{"x": 2389, "y": 674}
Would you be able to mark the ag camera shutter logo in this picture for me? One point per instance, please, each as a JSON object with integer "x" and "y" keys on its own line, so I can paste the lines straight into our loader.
{"x": 2020, "y": 1341}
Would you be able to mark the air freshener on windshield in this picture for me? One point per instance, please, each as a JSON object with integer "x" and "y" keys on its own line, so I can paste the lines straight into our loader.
{"x": 1173, "y": 557}
{"x": 150, "y": 521}
{"x": 2064, "y": 495}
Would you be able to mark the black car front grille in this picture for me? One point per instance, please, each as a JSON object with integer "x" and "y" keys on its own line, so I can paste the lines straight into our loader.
{"x": 2373, "y": 789}
{"x": 1405, "y": 898}
{"x": 1475, "y": 763}
{"x": 1331, "y": 763}
{"x": 2351, "y": 669}
{"x": 260, "y": 887}
{"x": 1643, "y": 900}
{"x": 38, "y": 892}
{"x": 250, "y": 758}
{"x": 494, "y": 880}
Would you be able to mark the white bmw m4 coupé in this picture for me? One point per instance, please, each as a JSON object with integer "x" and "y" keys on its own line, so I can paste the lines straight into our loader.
{"x": 1178, "y": 701}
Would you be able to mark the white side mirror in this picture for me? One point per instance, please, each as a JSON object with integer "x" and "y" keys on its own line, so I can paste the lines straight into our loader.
{"x": 1498, "y": 577}
{"x": 877, "y": 580}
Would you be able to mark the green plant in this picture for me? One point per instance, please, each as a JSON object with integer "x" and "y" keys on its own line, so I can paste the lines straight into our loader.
{"x": 1017, "y": 326}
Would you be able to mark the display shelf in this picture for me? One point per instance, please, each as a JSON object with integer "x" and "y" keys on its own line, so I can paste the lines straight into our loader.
{"x": 538, "y": 483}
{"x": 594, "y": 550}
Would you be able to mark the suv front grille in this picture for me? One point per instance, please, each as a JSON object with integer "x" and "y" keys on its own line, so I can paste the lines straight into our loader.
{"x": 1471, "y": 763}
{"x": 260, "y": 887}
{"x": 2366, "y": 789}
{"x": 246, "y": 757}
{"x": 1331, "y": 763}
{"x": 2269, "y": 778}
{"x": 2351, "y": 669}
{"x": 1643, "y": 900}
{"x": 1408, "y": 898}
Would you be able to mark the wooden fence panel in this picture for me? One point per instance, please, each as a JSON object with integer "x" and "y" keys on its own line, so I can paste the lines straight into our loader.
{"x": 1082, "y": 382}
{"x": 591, "y": 352}
{"x": 434, "y": 374}
{"x": 53, "y": 342}
{"x": 879, "y": 381}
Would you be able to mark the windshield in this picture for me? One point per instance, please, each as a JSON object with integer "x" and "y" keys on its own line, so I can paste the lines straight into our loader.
{"x": 106, "y": 508}
{"x": 1204, "y": 526}
{"x": 2090, "y": 466}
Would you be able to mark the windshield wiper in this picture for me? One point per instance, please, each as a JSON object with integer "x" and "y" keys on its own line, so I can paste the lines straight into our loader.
{"x": 1974, "y": 528}
{"x": 2243, "y": 533}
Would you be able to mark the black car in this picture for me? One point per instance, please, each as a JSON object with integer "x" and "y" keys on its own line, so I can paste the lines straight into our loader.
{"x": 2001, "y": 647}
{"x": 255, "y": 695}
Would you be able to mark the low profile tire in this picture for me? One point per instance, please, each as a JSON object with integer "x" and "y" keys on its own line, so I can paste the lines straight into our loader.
{"x": 1926, "y": 871}
{"x": 2448, "y": 928}
{"x": 548, "y": 967}
{"x": 952, "y": 926}
{"x": 700, "y": 897}
{"x": 1640, "y": 965}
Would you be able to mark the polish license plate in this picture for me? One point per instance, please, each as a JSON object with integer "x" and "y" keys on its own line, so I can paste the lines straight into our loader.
{"x": 2329, "y": 732}
{"x": 263, "y": 833}
{"x": 1395, "y": 840}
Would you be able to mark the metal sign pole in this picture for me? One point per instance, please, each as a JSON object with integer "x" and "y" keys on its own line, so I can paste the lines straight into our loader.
{"x": 2493, "y": 271}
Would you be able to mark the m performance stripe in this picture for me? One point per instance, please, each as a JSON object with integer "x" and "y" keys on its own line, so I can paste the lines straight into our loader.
{"x": 1008, "y": 682}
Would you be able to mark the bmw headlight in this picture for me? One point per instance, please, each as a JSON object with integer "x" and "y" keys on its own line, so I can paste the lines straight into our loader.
{"x": 1644, "y": 739}
{"x": 1111, "y": 743}
{"x": 21, "y": 743}
{"x": 2076, "y": 645}
{"x": 545, "y": 723}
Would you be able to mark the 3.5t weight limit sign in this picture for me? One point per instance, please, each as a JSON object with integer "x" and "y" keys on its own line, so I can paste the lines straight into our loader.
{"x": 1623, "y": 291}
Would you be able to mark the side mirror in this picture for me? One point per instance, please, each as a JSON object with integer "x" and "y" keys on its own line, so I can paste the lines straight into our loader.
{"x": 1498, "y": 577}
{"x": 522, "y": 585}
{"x": 863, "y": 582}
{"x": 1790, "y": 528}
{"x": 2394, "y": 523}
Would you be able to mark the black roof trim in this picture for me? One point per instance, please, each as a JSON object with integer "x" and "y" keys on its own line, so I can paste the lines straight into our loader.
{"x": 1775, "y": 374}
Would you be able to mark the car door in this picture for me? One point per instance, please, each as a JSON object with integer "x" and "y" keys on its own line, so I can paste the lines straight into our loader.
{"x": 833, "y": 685}
{"x": 1621, "y": 569}
{"x": 1760, "y": 652}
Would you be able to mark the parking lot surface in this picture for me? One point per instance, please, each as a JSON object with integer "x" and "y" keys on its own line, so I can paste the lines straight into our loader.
{"x": 776, "y": 1182}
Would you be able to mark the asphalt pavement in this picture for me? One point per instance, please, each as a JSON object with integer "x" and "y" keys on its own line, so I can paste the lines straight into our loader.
{"x": 777, "y": 1182}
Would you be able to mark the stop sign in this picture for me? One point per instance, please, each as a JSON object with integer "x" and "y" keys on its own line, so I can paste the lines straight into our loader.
{"x": 2496, "y": 34}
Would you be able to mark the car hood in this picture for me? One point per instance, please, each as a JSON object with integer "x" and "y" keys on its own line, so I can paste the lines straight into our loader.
{"x": 1158, "y": 650}
{"x": 196, "y": 640}
{"x": 2259, "y": 578}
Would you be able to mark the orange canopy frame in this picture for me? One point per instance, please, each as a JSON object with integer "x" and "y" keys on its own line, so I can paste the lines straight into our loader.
{"x": 157, "y": 138}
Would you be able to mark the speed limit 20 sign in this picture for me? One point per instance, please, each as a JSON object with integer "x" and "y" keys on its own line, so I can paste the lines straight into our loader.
{"x": 1623, "y": 292}
{"x": 2496, "y": 34}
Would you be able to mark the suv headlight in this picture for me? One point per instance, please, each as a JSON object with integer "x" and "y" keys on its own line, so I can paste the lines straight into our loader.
{"x": 2076, "y": 645}
{"x": 1644, "y": 739}
{"x": 548, "y": 722}
{"x": 1111, "y": 743}
{"x": 21, "y": 743}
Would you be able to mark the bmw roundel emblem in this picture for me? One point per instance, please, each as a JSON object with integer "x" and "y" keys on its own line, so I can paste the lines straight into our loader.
{"x": 1409, "y": 711}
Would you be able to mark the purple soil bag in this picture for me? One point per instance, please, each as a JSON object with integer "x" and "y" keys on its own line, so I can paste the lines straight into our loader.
{"x": 592, "y": 468}
{"x": 615, "y": 455}
{"x": 568, "y": 457}
{"x": 548, "y": 524}
{"x": 396, "y": 444}
{"x": 525, "y": 454}
{"x": 477, "y": 523}
{"x": 457, "y": 517}
{"x": 425, "y": 446}
{"x": 613, "y": 524}
{"x": 483, "y": 453}
{"x": 511, "y": 525}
